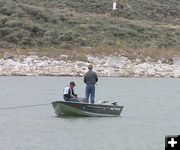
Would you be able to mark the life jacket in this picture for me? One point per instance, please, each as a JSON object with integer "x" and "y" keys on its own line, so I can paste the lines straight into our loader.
{"x": 68, "y": 93}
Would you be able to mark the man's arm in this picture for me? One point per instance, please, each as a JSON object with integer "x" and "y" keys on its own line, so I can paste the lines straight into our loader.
{"x": 66, "y": 93}
{"x": 85, "y": 78}
{"x": 96, "y": 77}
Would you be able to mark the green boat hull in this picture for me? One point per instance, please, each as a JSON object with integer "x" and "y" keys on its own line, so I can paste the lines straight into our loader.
{"x": 63, "y": 108}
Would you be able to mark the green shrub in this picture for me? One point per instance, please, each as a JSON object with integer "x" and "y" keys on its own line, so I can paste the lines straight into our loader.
{"x": 3, "y": 20}
{"x": 90, "y": 23}
{"x": 5, "y": 31}
{"x": 35, "y": 29}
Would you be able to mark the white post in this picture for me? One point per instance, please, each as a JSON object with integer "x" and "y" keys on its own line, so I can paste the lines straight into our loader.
{"x": 114, "y": 5}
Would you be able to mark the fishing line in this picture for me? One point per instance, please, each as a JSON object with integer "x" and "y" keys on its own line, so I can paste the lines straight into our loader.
{"x": 24, "y": 106}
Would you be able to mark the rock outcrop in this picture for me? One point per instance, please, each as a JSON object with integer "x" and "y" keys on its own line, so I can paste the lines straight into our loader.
{"x": 105, "y": 66}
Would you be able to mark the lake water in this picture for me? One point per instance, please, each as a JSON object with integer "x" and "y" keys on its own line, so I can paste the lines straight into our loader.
{"x": 151, "y": 111}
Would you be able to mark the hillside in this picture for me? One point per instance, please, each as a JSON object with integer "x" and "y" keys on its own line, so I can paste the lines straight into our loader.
{"x": 152, "y": 26}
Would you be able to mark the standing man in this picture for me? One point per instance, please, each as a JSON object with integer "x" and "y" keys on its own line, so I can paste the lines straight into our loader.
{"x": 90, "y": 78}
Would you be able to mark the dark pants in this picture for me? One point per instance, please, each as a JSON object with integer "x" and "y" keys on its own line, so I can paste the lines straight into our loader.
{"x": 72, "y": 99}
{"x": 90, "y": 92}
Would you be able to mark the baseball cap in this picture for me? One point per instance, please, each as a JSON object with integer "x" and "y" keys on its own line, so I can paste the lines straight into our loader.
{"x": 72, "y": 83}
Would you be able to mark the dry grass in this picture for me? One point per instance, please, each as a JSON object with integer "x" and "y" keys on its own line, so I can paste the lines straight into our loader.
{"x": 81, "y": 53}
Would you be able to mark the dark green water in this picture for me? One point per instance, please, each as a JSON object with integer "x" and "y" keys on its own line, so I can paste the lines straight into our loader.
{"x": 152, "y": 110}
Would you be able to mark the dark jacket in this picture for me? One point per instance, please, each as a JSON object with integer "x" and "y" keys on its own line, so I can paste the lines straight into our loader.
{"x": 90, "y": 77}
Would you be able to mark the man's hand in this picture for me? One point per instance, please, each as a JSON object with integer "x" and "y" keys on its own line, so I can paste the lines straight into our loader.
{"x": 75, "y": 95}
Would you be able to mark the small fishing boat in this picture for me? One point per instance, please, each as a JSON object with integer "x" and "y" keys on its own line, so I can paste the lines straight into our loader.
{"x": 69, "y": 108}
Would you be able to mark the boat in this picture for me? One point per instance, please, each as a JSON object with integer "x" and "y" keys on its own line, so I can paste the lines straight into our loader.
{"x": 69, "y": 108}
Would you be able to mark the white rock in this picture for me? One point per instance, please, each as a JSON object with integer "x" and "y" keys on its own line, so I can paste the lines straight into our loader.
{"x": 138, "y": 71}
{"x": 28, "y": 60}
{"x": 149, "y": 59}
{"x": 117, "y": 62}
{"x": 137, "y": 61}
{"x": 177, "y": 73}
{"x": 1, "y": 62}
{"x": 176, "y": 60}
{"x": 95, "y": 60}
{"x": 151, "y": 72}
{"x": 63, "y": 57}
{"x": 10, "y": 62}
{"x": 42, "y": 64}
{"x": 81, "y": 64}
{"x": 90, "y": 59}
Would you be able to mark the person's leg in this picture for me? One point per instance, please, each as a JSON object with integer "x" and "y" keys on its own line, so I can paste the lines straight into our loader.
{"x": 87, "y": 93}
{"x": 92, "y": 93}
{"x": 73, "y": 100}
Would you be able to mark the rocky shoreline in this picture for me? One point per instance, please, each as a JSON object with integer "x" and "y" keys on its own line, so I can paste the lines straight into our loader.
{"x": 105, "y": 66}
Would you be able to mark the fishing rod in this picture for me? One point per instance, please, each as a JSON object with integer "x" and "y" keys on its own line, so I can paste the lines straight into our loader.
{"x": 23, "y": 106}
